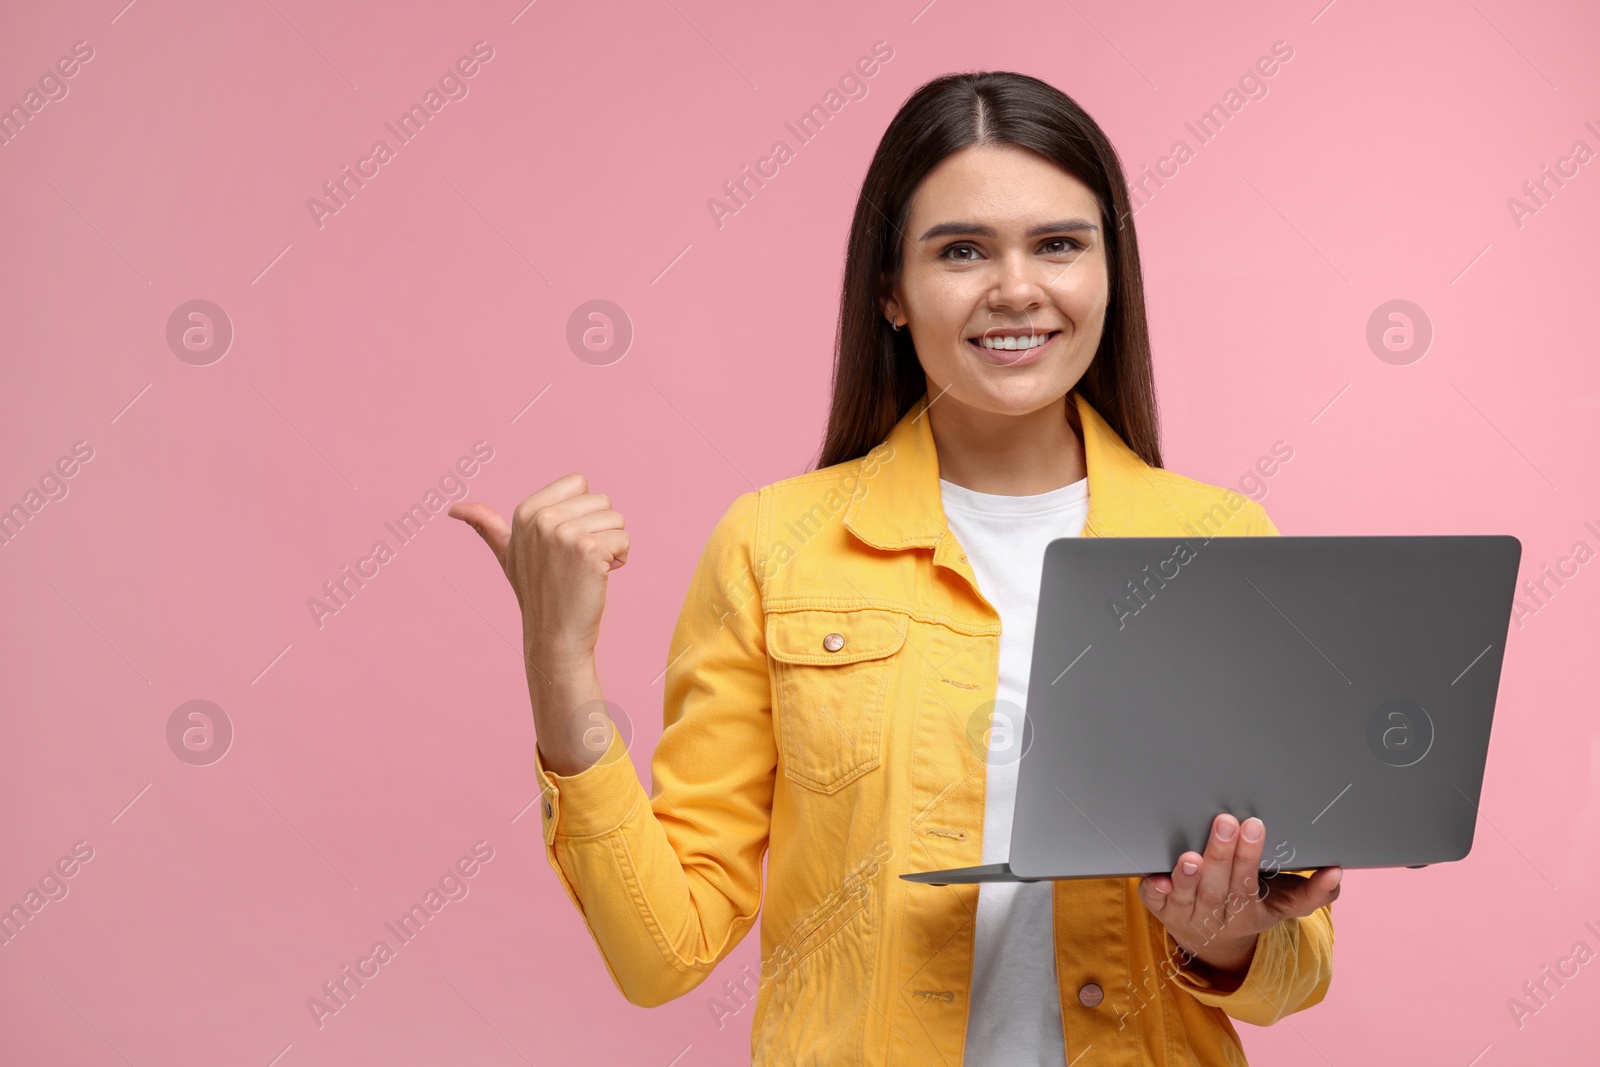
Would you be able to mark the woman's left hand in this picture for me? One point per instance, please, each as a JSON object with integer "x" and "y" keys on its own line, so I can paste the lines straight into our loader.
{"x": 1212, "y": 904}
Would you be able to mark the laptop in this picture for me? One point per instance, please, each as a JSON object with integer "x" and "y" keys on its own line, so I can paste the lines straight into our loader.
{"x": 1340, "y": 689}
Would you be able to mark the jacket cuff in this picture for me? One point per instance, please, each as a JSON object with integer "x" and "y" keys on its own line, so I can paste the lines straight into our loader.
{"x": 1250, "y": 987}
{"x": 593, "y": 802}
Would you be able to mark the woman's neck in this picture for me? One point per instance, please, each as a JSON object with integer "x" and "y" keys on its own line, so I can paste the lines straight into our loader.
{"x": 1008, "y": 455}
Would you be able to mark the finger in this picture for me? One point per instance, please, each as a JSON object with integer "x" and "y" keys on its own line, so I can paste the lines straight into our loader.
{"x": 487, "y": 521}
{"x": 1247, "y": 860}
{"x": 1297, "y": 895}
{"x": 593, "y": 522}
{"x": 555, "y": 513}
{"x": 568, "y": 485}
{"x": 1185, "y": 880}
{"x": 1155, "y": 891}
{"x": 1216, "y": 873}
{"x": 603, "y": 529}
{"x": 613, "y": 546}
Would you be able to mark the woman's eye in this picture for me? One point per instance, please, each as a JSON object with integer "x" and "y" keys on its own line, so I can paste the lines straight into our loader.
{"x": 950, "y": 252}
{"x": 1066, "y": 244}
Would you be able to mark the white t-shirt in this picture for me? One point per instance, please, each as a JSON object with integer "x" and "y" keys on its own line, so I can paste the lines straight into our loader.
{"x": 1015, "y": 1006}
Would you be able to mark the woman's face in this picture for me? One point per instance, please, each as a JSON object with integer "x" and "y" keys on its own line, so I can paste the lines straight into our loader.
{"x": 1002, "y": 244}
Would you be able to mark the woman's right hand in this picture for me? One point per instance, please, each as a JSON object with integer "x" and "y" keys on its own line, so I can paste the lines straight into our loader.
{"x": 557, "y": 552}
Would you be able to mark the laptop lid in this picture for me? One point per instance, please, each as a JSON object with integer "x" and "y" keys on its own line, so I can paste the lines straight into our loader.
{"x": 1341, "y": 689}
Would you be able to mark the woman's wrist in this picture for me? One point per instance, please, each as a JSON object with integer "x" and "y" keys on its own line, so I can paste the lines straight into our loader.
{"x": 558, "y": 690}
{"x": 1223, "y": 965}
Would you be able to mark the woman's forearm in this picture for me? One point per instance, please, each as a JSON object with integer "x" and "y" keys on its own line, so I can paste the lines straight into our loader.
{"x": 570, "y": 740}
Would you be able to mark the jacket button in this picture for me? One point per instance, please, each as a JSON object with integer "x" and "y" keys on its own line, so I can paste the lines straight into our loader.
{"x": 547, "y": 807}
{"x": 1091, "y": 995}
{"x": 833, "y": 642}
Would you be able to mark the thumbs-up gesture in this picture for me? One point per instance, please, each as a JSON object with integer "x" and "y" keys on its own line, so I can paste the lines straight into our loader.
{"x": 557, "y": 551}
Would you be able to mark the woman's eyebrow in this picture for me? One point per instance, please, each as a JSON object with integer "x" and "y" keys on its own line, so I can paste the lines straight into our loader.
{"x": 963, "y": 229}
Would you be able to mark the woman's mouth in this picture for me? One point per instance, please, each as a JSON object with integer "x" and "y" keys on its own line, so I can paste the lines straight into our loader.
{"x": 1013, "y": 351}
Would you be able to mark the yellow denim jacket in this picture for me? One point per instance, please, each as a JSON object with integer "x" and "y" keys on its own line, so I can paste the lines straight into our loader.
{"x": 849, "y": 764}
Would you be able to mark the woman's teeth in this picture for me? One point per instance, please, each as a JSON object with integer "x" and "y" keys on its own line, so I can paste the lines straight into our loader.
{"x": 1010, "y": 343}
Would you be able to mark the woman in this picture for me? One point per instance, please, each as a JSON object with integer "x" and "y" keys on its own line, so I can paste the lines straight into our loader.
{"x": 841, "y": 695}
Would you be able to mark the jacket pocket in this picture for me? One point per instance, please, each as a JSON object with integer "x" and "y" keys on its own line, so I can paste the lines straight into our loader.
{"x": 831, "y": 676}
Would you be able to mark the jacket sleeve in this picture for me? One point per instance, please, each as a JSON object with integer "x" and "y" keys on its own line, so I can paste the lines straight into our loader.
{"x": 1293, "y": 962}
{"x": 1290, "y": 971}
{"x": 668, "y": 883}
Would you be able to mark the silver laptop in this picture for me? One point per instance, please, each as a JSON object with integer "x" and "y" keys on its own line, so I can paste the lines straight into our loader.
{"x": 1340, "y": 689}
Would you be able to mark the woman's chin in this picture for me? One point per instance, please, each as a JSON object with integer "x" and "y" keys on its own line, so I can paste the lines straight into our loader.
{"x": 1011, "y": 394}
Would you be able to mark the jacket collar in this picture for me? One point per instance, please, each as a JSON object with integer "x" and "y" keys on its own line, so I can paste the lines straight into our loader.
{"x": 898, "y": 505}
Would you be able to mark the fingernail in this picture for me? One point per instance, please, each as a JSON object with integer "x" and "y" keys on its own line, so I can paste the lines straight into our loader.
{"x": 1338, "y": 876}
{"x": 1225, "y": 831}
{"x": 1252, "y": 829}
{"x": 1189, "y": 866}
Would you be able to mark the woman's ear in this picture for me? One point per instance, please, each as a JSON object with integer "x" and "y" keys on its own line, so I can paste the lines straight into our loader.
{"x": 888, "y": 306}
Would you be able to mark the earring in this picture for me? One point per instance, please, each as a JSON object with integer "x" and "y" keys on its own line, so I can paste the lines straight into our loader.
{"x": 896, "y": 326}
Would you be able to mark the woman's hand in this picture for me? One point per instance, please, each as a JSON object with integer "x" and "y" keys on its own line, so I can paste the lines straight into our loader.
{"x": 1212, "y": 904}
{"x": 557, "y": 551}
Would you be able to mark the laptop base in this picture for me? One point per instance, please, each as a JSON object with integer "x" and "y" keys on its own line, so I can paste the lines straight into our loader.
{"x": 988, "y": 872}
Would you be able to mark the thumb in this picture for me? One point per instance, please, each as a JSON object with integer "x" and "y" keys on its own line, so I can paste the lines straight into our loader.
{"x": 487, "y": 521}
{"x": 1301, "y": 895}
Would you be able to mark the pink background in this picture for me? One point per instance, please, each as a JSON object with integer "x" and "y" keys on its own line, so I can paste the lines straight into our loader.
{"x": 372, "y": 352}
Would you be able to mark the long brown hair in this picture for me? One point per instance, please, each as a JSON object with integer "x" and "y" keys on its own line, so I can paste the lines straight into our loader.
{"x": 876, "y": 376}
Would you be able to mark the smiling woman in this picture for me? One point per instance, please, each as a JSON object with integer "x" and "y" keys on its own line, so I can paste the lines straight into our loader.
{"x": 992, "y": 391}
